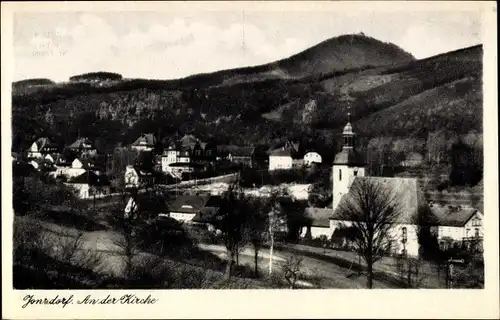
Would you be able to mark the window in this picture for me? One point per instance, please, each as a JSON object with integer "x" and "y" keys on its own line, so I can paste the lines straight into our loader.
{"x": 467, "y": 232}
{"x": 340, "y": 175}
{"x": 476, "y": 233}
{"x": 209, "y": 152}
{"x": 404, "y": 235}
{"x": 476, "y": 222}
{"x": 355, "y": 172}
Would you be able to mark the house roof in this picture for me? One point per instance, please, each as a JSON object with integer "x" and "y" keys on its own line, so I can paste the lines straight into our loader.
{"x": 147, "y": 139}
{"x": 189, "y": 141}
{"x": 58, "y": 158}
{"x": 405, "y": 191}
{"x": 452, "y": 216}
{"x": 206, "y": 214}
{"x": 320, "y": 217}
{"x": 91, "y": 178}
{"x": 139, "y": 171}
{"x": 289, "y": 149}
{"x": 282, "y": 152}
{"x": 86, "y": 162}
{"x": 189, "y": 203}
{"x": 82, "y": 143}
{"x": 44, "y": 142}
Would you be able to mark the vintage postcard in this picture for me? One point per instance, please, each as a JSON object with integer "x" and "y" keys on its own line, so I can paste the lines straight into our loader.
{"x": 249, "y": 160}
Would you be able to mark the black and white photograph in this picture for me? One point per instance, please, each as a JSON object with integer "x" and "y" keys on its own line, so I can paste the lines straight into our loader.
{"x": 248, "y": 149}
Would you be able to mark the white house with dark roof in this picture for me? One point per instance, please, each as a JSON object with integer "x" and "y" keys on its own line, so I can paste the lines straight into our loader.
{"x": 320, "y": 222}
{"x": 458, "y": 222}
{"x": 193, "y": 209}
{"x": 312, "y": 157}
{"x": 88, "y": 184}
{"x": 186, "y": 154}
{"x": 286, "y": 157}
{"x": 236, "y": 154}
{"x": 41, "y": 147}
{"x": 83, "y": 146}
{"x": 136, "y": 178}
{"x": 146, "y": 142}
{"x": 56, "y": 159}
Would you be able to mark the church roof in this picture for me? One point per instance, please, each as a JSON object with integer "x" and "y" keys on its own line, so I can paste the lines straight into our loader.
{"x": 349, "y": 156}
{"x": 348, "y": 129}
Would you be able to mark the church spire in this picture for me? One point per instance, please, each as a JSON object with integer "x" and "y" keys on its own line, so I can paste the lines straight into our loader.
{"x": 348, "y": 134}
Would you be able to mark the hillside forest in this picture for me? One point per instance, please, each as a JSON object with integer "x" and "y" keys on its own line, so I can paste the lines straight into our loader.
{"x": 400, "y": 107}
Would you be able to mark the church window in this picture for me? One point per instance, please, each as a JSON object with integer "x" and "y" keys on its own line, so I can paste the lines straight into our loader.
{"x": 404, "y": 234}
{"x": 340, "y": 175}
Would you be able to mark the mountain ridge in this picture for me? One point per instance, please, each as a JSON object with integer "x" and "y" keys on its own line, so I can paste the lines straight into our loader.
{"x": 233, "y": 109}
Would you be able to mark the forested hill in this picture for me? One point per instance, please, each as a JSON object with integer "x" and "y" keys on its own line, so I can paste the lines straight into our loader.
{"x": 305, "y": 97}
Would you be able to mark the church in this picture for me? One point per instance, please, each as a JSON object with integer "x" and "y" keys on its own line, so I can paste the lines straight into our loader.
{"x": 348, "y": 170}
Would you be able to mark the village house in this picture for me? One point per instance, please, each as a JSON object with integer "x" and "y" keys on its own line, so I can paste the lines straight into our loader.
{"x": 135, "y": 178}
{"x": 78, "y": 166}
{"x": 319, "y": 223}
{"x": 41, "y": 147}
{"x": 146, "y": 142}
{"x": 194, "y": 209}
{"x": 458, "y": 223}
{"x": 286, "y": 157}
{"x": 187, "y": 154}
{"x": 57, "y": 159}
{"x": 88, "y": 185}
{"x": 83, "y": 147}
{"x": 236, "y": 154}
{"x": 312, "y": 157}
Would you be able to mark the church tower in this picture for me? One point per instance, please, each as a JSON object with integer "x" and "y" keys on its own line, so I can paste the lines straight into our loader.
{"x": 347, "y": 165}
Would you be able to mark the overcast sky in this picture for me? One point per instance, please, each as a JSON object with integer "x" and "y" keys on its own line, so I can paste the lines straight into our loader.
{"x": 165, "y": 45}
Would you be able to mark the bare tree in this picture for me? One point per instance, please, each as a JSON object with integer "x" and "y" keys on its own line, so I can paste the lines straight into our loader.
{"x": 372, "y": 211}
{"x": 231, "y": 220}
{"x": 255, "y": 227}
{"x": 291, "y": 269}
{"x": 275, "y": 221}
{"x": 127, "y": 245}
